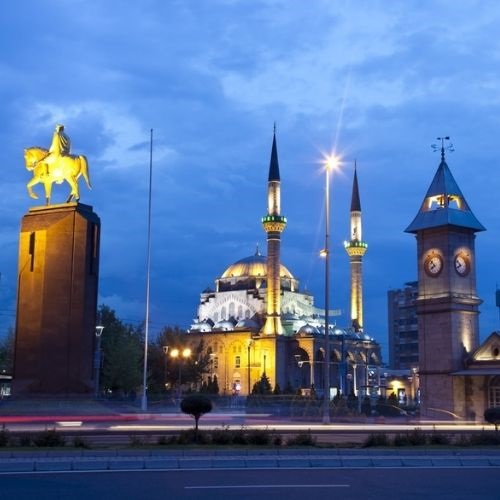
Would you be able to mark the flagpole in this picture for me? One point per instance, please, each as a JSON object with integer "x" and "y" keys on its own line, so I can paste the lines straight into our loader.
{"x": 144, "y": 402}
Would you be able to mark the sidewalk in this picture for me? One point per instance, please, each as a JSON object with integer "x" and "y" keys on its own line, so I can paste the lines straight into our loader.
{"x": 160, "y": 459}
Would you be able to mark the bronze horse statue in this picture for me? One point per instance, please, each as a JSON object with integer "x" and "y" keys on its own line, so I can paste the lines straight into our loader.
{"x": 48, "y": 168}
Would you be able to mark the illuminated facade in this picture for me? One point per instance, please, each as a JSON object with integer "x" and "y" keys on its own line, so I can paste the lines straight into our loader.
{"x": 356, "y": 249}
{"x": 257, "y": 321}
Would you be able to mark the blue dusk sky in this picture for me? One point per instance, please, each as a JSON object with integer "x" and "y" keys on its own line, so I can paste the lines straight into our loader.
{"x": 375, "y": 81}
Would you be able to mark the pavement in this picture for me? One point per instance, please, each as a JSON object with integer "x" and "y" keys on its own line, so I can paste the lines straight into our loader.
{"x": 161, "y": 459}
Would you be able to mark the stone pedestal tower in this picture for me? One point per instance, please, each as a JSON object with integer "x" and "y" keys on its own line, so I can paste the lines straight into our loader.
{"x": 57, "y": 300}
{"x": 274, "y": 224}
{"x": 356, "y": 249}
{"x": 447, "y": 303}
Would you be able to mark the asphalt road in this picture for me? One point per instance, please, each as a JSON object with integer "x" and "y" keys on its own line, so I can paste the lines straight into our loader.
{"x": 292, "y": 484}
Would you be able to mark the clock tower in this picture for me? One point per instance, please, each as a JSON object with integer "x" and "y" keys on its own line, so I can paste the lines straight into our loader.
{"x": 447, "y": 303}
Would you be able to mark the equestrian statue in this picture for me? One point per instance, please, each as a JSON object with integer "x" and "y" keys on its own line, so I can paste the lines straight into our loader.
{"x": 56, "y": 165}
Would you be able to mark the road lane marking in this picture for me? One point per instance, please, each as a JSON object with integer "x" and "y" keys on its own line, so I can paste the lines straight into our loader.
{"x": 262, "y": 486}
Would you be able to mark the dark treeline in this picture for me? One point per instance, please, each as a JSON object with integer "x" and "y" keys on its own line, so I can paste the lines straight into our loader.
{"x": 122, "y": 348}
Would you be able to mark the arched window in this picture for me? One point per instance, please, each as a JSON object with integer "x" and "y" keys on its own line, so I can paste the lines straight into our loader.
{"x": 231, "y": 309}
{"x": 494, "y": 392}
{"x": 223, "y": 313}
{"x": 240, "y": 312}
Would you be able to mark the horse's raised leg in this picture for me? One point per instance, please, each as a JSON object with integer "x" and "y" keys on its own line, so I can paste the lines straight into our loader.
{"x": 30, "y": 184}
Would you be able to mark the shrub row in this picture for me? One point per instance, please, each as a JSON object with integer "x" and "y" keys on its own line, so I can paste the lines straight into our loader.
{"x": 47, "y": 438}
{"x": 225, "y": 436}
{"x": 419, "y": 438}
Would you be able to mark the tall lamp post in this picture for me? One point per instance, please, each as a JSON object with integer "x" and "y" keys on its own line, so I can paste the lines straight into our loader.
{"x": 165, "y": 351}
{"x": 144, "y": 398}
{"x": 97, "y": 359}
{"x": 329, "y": 165}
{"x": 249, "y": 345}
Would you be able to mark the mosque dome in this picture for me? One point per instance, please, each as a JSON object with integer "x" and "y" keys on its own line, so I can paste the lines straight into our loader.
{"x": 202, "y": 326}
{"x": 224, "y": 325}
{"x": 254, "y": 266}
{"x": 308, "y": 329}
{"x": 247, "y": 323}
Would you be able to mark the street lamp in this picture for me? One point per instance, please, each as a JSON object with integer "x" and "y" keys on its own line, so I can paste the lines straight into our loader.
{"x": 330, "y": 164}
{"x": 165, "y": 351}
{"x": 97, "y": 359}
{"x": 177, "y": 354}
{"x": 249, "y": 344}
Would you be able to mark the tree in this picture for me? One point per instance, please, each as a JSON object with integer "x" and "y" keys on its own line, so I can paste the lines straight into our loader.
{"x": 352, "y": 401}
{"x": 196, "y": 405}
{"x": 213, "y": 386}
{"x": 492, "y": 416}
{"x": 366, "y": 406}
{"x": 7, "y": 353}
{"x": 262, "y": 386}
{"x": 164, "y": 370}
{"x": 122, "y": 353}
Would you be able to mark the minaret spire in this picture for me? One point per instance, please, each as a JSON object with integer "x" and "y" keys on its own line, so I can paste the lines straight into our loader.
{"x": 274, "y": 224}
{"x": 356, "y": 249}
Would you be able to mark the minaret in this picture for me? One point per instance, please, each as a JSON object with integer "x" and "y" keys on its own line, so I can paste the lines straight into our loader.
{"x": 274, "y": 223}
{"x": 356, "y": 248}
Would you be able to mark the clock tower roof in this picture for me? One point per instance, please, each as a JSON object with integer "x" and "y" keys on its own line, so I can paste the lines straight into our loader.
{"x": 444, "y": 204}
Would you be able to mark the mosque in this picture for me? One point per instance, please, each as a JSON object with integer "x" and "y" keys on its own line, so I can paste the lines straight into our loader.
{"x": 257, "y": 320}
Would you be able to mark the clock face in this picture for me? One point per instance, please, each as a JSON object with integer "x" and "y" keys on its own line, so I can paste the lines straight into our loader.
{"x": 433, "y": 265}
{"x": 462, "y": 264}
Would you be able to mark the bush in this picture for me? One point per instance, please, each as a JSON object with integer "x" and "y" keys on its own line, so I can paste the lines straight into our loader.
{"x": 441, "y": 439}
{"x": 301, "y": 439}
{"x": 79, "y": 442}
{"x": 25, "y": 440}
{"x": 49, "y": 438}
{"x": 136, "y": 440}
{"x": 259, "y": 437}
{"x": 414, "y": 438}
{"x": 376, "y": 440}
{"x": 487, "y": 438}
{"x": 4, "y": 437}
{"x": 166, "y": 440}
{"x": 239, "y": 437}
{"x": 492, "y": 416}
{"x": 221, "y": 436}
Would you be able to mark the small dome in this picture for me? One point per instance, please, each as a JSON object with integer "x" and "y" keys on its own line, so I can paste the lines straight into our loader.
{"x": 247, "y": 323}
{"x": 308, "y": 329}
{"x": 203, "y": 326}
{"x": 225, "y": 325}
